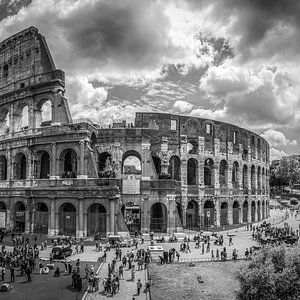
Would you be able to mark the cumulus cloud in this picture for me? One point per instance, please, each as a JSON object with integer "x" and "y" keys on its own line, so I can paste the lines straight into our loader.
{"x": 183, "y": 106}
{"x": 276, "y": 154}
{"x": 277, "y": 138}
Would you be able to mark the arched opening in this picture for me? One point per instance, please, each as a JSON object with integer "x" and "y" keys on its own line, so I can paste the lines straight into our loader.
{"x": 224, "y": 214}
{"x": 96, "y": 220}
{"x": 132, "y": 216}
{"x": 20, "y": 166}
{"x": 3, "y": 168}
{"x": 19, "y": 217}
{"x": 106, "y": 165}
{"x": 258, "y": 211}
{"x": 24, "y": 118}
{"x": 209, "y": 213}
{"x": 245, "y": 179}
{"x": 253, "y": 211}
{"x": 208, "y": 172}
{"x": 192, "y": 215}
{"x": 174, "y": 168}
{"x": 245, "y": 211}
{"x": 235, "y": 169}
{"x": 263, "y": 176}
{"x": 4, "y": 121}
{"x": 263, "y": 209}
{"x": 46, "y": 113}
{"x": 157, "y": 164}
{"x": 192, "y": 147}
{"x": 192, "y": 172}
{"x": 2, "y": 215}
{"x": 235, "y": 212}
{"x": 67, "y": 219}
{"x": 41, "y": 218}
{"x": 253, "y": 180}
{"x": 223, "y": 173}
{"x": 43, "y": 165}
{"x": 158, "y": 218}
{"x": 258, "y": 179}
{"x": 132, "y": 163}
{"x": 68, "y": 162}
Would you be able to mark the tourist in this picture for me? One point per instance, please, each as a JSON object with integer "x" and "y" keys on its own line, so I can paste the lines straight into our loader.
{"x": 139, "y": 286}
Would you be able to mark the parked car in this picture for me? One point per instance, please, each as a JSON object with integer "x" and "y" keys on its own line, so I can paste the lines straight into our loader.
{"x": 60, "y": 252}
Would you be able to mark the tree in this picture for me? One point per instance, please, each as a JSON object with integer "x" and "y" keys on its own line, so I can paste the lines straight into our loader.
{"x": 272, "y": 274}
{"x": 288, "y": 170}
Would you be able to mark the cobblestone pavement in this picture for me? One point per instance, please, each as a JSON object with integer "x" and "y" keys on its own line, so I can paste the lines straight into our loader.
{"x": 241, "y": 240}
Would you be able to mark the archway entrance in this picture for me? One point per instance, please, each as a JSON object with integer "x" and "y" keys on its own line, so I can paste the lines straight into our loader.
{"x": 3, "y": 168}
{"x": 235, "y": 212}
{"x": 263, "y": 210}
{"x": 192, "y": 215}
{"x": 67, "y": 220}
{"x": 20, "y": 167}
{"x": 41, "y": 218}
{"x": 96, "y": 220}
{"x": 245, "y": 211}
{"x": 19, "y": 217}
{"x": 2, "y": 215}
{"x": 192, "y": 172}
{"x": 158, "y": 218}
{"x": 44, "y": 166}
{"x": 253, "y": 211}
{"x": 224, "y": 214}
{"x": 68, "y": 161}
{"x": 132, "y": 217}
{"x": 258, "y": 211}
{"x": 209, "y": 213}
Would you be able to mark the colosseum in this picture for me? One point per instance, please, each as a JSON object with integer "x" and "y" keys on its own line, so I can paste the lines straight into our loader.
{"x": 162, "y": 173}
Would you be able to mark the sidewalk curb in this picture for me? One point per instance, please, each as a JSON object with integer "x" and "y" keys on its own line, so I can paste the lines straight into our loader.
{"x": 86, "y": 292}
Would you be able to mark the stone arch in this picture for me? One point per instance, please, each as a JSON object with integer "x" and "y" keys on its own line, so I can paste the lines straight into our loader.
{"x": 263, "y": 209}
{"x": 253, "y": 179}
{"x": 42, "y": 166}
{"x": 4, "y": 120}
{"x": 3, "y": 214}
{"x": 245, "y": 211}
{"x": 20, "y": 166}
{"x": 235, "y": 171}
{"x": 192, "y": 171}
{"x": 224, "y": 214}
{"x": 3, "y": 168}
{"x": 192, "y": 146}
{"x": 19, "y": 210}
{"x": 67, "y": 219}
{"x": 192, "y": 215}
{"x": 132, "y": 162}
{"x": 41, "y": 215}
{"x": 263, "y": 176}
{"x": 157, "y": 164}
{"x": 245, "y": 179}
{"x": 209, "y": 213}
{"x": 258, "y": 211}
{"x": 208, "y": 172}
{"x": 158, "y": 217}
{"x": 223, "y": 173}
{"x": 68, "y": 163}
{"x": 235, "y": 212}
{"x": 253, "y": 211}
{"x": 105, "y": 165}
{"x": 174, "y": 168}
{"x": 258, "y": 178}
{"x": 96, "y": 220}
{"x": 44, "y": 112}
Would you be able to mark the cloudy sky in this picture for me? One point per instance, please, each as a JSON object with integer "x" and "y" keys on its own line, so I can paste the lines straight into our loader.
{"x": 232, "y": 60}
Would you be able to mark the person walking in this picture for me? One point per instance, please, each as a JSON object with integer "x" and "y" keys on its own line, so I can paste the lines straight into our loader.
{"x": 12, "y": 273}
{"x": 139, "y": 286}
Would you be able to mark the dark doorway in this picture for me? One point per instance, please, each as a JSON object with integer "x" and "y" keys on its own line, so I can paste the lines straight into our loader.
{"x": 67, "y": 218}
{"x": 209, "y": 213}
{"x": 192, "y": 215}
{"x": 45, "y": 166}
{"x": 41, "y": 218}
{"x": 158, "y": 218}
{"x": 245, "y": 212}
{"x": 96, "y": 220}
{"x": 224, "y": 214}
{"x": 235, "y": 213}
{"x": 19, "y": 217}
{"x": 192, "y": 172}
{"x": 253, "y": 211}
{"x": 3, "y": 168}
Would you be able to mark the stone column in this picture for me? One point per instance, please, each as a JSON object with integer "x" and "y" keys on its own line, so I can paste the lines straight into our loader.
{"x": 80, "y": 218}
{"x": 249, "y": 179}
{"x": 112, "y": 215}
{"x": 249, "y": 211}
{"x": 81, "y": 160}
{"x": 146, "y": 160}
{"x": 216, "y": 170}
{"x": 85, "y": 219}
{"x": 27, "y": 222}
{"x": 51, "y": 228}
{"x": 53, "y": 174}
{"x": 31, "y": 115}
{"x": 11, "y": 118}
{"x": 8, "y": 219}
{"x": 240, "y": 176}
{"x": 229, "y": 176}
{"x": 241, "y": 213}
{"x": 9, "y": 164}
{"x": 230, "y": 212}
{"x": 218, "y": 212}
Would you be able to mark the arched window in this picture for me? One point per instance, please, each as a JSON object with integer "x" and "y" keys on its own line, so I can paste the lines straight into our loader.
{"x": 208, "y": 172}
{"x": 68, "y": 163}
{"x": 157, "y": 164}
{"x": 235, "y": 168}
{"x": 132, "y": 163}
{"x": 174, "y": 168}
{"x": 106, "y": 165}
{"x": 20, "y": 166}
{"x": 4, "y": 121}
{"x": 192, "y": 172}
{"x": 245, "y": 179}
{"x": 44, "y": 165}
{"x": 3, "y": 168}
{"x": 253, "y": 179}
{"x": 223, "y": 173}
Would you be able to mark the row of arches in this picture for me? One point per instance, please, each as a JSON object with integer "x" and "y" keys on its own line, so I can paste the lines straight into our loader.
{"x": 21, "y": 115}
{"x": 96, "y": 218}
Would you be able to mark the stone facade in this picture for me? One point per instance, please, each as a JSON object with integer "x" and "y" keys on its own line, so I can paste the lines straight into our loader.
{"x": 75, "y": 177}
